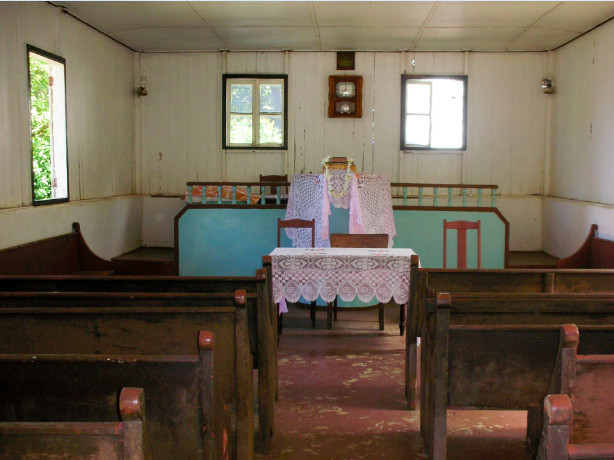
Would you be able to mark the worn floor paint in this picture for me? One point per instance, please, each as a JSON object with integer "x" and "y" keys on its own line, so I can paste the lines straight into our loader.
{"x": 341, "y": 397}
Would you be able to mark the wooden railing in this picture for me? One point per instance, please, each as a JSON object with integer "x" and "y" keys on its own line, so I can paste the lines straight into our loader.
{"x": 421, "y": 194}
{"x": 464, "y": 191}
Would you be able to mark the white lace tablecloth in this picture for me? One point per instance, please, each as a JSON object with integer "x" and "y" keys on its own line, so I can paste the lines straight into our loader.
{"x": 345, "y": 272}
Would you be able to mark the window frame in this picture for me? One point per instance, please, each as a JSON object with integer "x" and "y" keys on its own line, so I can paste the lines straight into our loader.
{"x": 404, "y": 78}
{"x": 257, "y": 78}
{"x": 62, "y": 61}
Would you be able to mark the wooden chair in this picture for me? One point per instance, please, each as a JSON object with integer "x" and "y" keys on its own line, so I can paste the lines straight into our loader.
{"x": 276, "y": 178}
{"x": 360, "y": 240}
{"x": 304, "y": 224}
{"x": 461, "y": 227}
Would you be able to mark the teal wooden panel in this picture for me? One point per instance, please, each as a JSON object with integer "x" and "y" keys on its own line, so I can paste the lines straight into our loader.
{"x": 222, "y": 241}
{"x": 422, "y": 231}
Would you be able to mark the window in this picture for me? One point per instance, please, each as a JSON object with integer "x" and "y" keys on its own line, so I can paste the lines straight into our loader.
{"x": 255, "y": 111}
{"x": 434, "y": 112}
{"x": 47, "y": 127}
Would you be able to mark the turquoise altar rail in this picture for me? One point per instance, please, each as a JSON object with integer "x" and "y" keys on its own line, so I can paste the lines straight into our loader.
{"x": 464, "y": 191}
{"x": 254, "y": 193}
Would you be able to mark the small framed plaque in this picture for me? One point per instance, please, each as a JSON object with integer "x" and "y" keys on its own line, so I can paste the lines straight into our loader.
{"x": 345, "y": 60}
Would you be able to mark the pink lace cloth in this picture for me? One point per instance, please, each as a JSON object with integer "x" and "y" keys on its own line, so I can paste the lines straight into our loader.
{"x": 345, "y": 272}
{"x": 368, "y": 197}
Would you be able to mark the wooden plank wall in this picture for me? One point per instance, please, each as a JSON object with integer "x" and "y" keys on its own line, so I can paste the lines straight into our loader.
{"x": 100, "y": 103}
{"x": 180, "y": 126}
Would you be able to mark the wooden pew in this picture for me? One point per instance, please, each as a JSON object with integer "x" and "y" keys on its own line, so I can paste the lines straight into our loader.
{"x": 430, "y": 280}
{"x": 262, "y": 328}
{"x": 594, "y": 253}
{"x": 140, "y": 323}
{"x": 578, "y": 419}
{"x": 497, "y": 351}
{"x": 60, "y": 255}
{"x": 180, "y": 393}
{"x": 124, "y": 440}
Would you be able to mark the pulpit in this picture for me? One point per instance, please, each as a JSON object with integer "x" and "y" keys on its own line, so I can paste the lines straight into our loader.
{"x": 367, "y": 196}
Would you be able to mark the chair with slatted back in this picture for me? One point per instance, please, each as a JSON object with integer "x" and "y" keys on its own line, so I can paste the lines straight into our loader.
{"x": 360, "y": 240}
{"x": 282, "y": 179}
{"x": 297, "y": 224}
{"x": 461, "y": 227}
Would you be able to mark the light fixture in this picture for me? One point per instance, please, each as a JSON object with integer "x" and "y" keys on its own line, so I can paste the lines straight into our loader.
{"x": 547, "y": 85}
{"x": 142, "y": 90}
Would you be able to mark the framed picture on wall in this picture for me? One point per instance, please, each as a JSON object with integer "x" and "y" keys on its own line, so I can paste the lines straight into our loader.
{"x": 346, "y": 60}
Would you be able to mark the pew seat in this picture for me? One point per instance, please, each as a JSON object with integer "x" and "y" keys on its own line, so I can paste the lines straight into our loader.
{"x": 123, "y": 440}
{"x": 60, "y": 255}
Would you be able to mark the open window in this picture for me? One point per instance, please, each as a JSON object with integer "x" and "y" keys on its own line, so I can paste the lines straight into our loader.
{"x": 434, "y": 112}
{"x": 47, "y": 86}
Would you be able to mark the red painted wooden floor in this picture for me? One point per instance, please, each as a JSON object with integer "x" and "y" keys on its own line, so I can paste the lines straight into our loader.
{"x": 341, "y": 397}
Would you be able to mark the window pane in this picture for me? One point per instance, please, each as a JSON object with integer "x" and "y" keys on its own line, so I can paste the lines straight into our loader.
{"x": 241, "y": 98}
{"x": 417, "y": 130}
{"x": 447, "y": 114}
{"x": 418, "y": 98}
{"x": 240, "y": 129}
{"x": 48, "y": 127}
{"x": 270, "y": 98}
{"x": 271, "y": 129}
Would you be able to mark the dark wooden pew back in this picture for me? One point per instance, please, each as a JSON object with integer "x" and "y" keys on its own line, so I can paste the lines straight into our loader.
{"x": 125, "y": 440}
{"x": 179, "y": 394}
{"x": 139, "y": 323}
{"x": 262, "y": 328}
{"x": 578, "y": 410}
{"x": 483, "y": 350}
{"x": 59, "y": 255}
{"x": 430, "y": 281}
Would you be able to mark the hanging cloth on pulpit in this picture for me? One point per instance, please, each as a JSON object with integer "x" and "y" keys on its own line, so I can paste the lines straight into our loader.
{"x": 366, "y": 195}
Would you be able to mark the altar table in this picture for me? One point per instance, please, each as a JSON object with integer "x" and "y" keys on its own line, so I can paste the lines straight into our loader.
{"x": 365, "y": 273}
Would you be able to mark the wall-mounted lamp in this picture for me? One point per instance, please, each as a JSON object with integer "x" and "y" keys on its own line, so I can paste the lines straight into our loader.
{"x": 142, "y": 90}
{"x": 547, "y": 85}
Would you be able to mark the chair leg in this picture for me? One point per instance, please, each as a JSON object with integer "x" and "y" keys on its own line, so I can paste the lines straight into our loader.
{"x": 402, "y": 318}
{"x": 280, "y": 326}
{"x": 381, "y": 317}
{"x": 335, "y": 309}
{"x": 312, "y": 314}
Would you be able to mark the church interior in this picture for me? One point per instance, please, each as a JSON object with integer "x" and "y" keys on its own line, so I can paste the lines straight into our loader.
{"x": 306, "y": 229}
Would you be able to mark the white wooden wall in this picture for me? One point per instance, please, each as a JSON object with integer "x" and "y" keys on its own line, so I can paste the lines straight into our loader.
{"x": 180, "y": 125}
{"x": 100, "y": 103}
{"x": 100, "y": 126}
{"x": 583, "y": 117}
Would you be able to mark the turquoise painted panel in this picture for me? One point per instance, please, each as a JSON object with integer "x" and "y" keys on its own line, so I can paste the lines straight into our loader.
{"x": 422, "y": 231}
{"x": 222, "y": 241}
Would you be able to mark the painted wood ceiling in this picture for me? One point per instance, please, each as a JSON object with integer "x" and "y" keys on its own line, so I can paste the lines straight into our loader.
{"x": 174, "y": 26}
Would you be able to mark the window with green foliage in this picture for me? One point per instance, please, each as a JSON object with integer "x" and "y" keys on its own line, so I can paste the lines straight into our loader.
{"x": 48, "y": 127}
{"x": 434, "y": 112}
{"x": 255, "y": 108}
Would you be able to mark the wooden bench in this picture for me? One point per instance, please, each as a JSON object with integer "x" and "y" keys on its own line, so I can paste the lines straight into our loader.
{"x": 60, "y": 255}
{"x": 594, "y": 253}
{"x": 578, "y": 418}
{"x": 124, "y": 440}
{"x": 140, "y": 323}
{"x": 497, "y": 351}
{"x": 430, "y": 280}
{"x": 262, "y": 329}
{"x": 180, "y": 394}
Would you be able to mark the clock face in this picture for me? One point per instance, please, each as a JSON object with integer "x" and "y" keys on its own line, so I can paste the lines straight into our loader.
{"x": 345, "y": 89}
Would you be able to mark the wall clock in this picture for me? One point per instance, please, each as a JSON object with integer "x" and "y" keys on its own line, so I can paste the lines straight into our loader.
{"x": 344, "y": 96}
